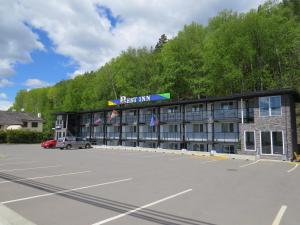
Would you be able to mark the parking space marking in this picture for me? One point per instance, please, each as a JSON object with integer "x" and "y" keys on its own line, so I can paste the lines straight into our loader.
{"x": 65, "y": 191}
{"x": 31, "y": 168}
{"x": 14, "y": 163}
{"x": 140, "y": 208}
{"x": 279, "y": 215}
{"x": 35, "y": 178}
{"x": 295, "y": 167}
{"x": 249, "y": 164}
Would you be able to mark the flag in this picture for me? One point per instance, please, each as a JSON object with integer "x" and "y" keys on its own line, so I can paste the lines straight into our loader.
{"x": 152, "y": 121}
{"x": 98, "y": 121}
{"x": 114, "y": 114}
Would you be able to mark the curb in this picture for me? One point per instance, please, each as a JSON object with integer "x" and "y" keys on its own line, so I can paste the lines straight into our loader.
{"x": 10, "y": 217}
{"x": 178, "y": 152}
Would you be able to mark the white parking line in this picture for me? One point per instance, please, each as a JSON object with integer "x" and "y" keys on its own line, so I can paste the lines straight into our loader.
{"x": 32, "y": 168}
{"x": 249, "y": 164}
{"x": 35, "y": 178}
{"x": 65, "y": 191}
{"x": 14, "y": 163}
{"x": 140, "y": 208}
{"x": 279, "y": 215}
{"x": 291, "y": 170}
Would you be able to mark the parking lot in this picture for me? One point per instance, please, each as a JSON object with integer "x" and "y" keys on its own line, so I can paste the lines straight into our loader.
{"x": 93, "y": 186}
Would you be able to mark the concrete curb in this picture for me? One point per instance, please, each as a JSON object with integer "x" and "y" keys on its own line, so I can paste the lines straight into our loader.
{"x": 178, "y": 152}
{"x": 9, "y": 217}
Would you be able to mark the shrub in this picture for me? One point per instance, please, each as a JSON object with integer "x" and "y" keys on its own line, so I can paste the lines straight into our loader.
{"x": 2, "y": 136}
{"x": 25, "y": 136}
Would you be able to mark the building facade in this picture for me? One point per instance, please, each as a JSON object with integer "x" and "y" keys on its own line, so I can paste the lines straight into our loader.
{"x": 258, "y": 123}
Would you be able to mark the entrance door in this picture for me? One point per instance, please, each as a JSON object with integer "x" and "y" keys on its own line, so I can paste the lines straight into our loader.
{"x": 272, "y": 142}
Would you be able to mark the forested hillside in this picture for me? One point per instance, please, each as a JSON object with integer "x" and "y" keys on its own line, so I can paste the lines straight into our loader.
{"x": 234, "y": 53}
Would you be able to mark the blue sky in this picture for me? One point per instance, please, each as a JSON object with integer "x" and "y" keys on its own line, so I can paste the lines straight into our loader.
{"x": 43, "y": 42}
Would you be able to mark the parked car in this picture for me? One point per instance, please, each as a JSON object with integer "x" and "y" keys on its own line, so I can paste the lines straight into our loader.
{"x": 72, "y": 142}
{"x": 49, "y": 144}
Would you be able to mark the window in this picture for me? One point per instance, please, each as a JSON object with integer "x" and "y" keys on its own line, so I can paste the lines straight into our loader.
{"x": 173, "y": 128}
{"x": 198, "y": 147}
{"x": 197, "y": 108}
{"x": 227, "y": 128}
{"x": 172, "y": 109}
{"x": 25, "y": 124}
{"x": 227, "y": 105}
{"x": 272, "y": 142}
{"x": 249, "y": 141}
{"x": 275, "y": 105}
{"x": 34, "y": 124}
{"x": 197, "y": 128}
{"x": 270, "y": 106}
{"x": 277, "y": 143}
{"x": 229, "y": 149}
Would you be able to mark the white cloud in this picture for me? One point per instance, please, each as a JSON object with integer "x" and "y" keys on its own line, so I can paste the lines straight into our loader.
{"x": 36, "y": 83}
{"x": 3, "y": 96}
{"x": 4, "y": 104}
{"x": 5, "y": 83}
{"x": 17, "y": 41}
{"x": 77, "y": 30}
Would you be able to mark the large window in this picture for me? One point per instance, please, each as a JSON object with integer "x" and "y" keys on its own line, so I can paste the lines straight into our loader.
{"x": 249, "y": 141}
{"x": 270, "y": 106}
{"x": 272, "y": 142}
{"x": 197, "y": 128}
{"x": 226, "y": 105}
{"x": 227, "y": 128}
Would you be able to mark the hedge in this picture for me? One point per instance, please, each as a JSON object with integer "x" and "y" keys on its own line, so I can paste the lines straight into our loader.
{"x": 24, "y": 136}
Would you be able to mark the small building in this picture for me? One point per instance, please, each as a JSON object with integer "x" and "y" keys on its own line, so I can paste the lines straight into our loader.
{"x": 259, "y": 123}
{"x": 20, "y": 121}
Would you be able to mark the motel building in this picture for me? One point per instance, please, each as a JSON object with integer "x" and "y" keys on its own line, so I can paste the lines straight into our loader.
{"x": 257, "y": 123}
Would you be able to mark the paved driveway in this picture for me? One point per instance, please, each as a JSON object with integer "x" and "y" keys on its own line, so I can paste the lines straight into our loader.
{"x": 85, "y": 187}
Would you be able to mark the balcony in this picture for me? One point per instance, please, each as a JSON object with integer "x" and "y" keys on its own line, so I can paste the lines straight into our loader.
{"x": 196, "y": 136}
{"x": 129, "y": 119}
{"x": 145, "y": 118}
{"x": 226, "y": 137}
{"x": 233, "y": 114}
{"x": 170, "y": 136}
{"x": 129, "y": 135}
{"x": 113, "y": 135}
{"x": 171, "y": 117}
{"x": 196, "y": 116}
{"x": 113, "y": 121}
{"x": 148, "y": 135}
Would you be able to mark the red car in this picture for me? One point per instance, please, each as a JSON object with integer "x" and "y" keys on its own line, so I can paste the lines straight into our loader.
{"x": 49, "y": 144}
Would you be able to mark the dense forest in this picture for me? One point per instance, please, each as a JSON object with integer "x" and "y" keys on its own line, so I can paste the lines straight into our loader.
{"x": 233, "y": 53}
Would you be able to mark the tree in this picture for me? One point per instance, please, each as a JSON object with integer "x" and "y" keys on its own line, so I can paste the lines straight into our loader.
{"x": 161, "y": 42}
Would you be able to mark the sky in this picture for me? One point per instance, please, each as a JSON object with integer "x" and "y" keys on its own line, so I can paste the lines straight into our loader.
{"x": 44, "y": 42}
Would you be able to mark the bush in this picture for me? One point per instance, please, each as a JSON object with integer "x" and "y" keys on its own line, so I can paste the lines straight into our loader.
{"x": 2, "y": 136}
{"x": 24, "y": 136}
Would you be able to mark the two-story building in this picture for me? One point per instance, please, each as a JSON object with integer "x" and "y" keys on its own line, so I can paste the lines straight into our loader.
{"x": 258, "y": 123}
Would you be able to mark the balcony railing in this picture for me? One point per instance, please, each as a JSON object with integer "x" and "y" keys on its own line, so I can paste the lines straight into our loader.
{"x": 129, "y": 135}
{"x": 196, "y": 136}
{"x": 145, "y": 118}
{"x": 171, "y": 117}
{"x": 226, "y": 137}
{"x": 170, "y": 136}
{"x": 129, "y": 119}
{"x": 115, "y": 120}
{"x": 148, "y": 135}
{"x": 113, "y": 135}
{"x": 196, "y": 116}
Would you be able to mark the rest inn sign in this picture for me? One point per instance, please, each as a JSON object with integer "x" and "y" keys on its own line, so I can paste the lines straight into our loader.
{"x": 139, "y": 99}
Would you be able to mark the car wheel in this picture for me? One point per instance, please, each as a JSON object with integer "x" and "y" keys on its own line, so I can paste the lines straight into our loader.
{"x": 69, "y": 147}
{"x": 87, "y": 146}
